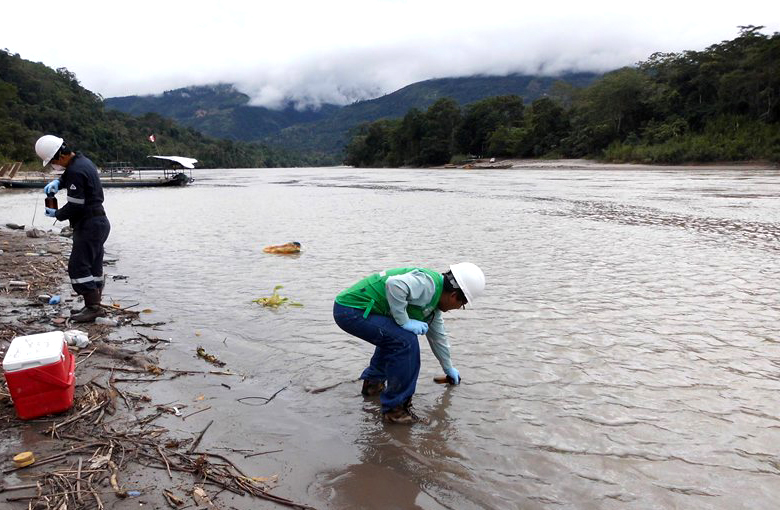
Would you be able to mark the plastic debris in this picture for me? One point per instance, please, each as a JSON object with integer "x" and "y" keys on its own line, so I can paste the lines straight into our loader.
{"x": 133, "y": 494}
{"x": 54, "y": 300}
{"x": 284, "y": 249}
{"x": 107, "y": 321}
{"x": 24, "y": 459}
{"x": 77, "y": 338}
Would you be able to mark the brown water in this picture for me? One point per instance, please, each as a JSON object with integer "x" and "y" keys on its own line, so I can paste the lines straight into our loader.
{"x": 626, "y": 354}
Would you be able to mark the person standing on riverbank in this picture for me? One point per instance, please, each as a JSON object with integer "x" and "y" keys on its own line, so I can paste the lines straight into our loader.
{"x": 388, "y": 310}
{"x": 84, "y": 210}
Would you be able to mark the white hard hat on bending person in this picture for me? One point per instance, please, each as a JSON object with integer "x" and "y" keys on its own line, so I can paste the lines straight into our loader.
{"x": 470, "y": 278}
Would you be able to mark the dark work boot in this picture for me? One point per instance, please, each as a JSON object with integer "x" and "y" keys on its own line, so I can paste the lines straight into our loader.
{"x": 92, "y": 310}
{"x": 74, "y": 311}
{"x": 402, "y": 415}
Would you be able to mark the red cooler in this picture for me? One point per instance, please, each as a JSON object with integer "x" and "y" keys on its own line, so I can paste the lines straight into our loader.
{"x": 40, "y": 371}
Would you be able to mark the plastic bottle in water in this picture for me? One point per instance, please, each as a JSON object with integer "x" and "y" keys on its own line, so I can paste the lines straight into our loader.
{"x": 107, "y": 321}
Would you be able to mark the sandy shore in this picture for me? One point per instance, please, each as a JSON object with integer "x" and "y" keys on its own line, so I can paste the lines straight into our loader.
{"x": 125, "y": 442}
{"x": 587, "y": 164}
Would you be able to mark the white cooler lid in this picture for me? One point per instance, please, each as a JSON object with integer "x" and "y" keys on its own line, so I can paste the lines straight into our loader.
{"x": 34, "y": 351}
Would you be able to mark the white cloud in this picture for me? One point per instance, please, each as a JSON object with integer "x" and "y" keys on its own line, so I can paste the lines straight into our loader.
{"x": 344, "y": 50}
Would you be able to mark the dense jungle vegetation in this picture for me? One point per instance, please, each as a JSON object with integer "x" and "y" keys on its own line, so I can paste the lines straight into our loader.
{"x": 719, "y": 104}
{"x": 36, "y": 100}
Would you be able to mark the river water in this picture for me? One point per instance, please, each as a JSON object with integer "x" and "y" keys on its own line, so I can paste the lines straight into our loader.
{"x": 625, "y": 355}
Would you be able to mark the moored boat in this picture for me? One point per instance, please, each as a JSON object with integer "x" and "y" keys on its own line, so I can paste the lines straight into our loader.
{"x": 119, "y": 175}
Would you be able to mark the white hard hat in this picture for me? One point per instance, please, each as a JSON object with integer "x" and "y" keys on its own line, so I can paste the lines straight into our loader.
{"x": 470, "y": 278}
{"x": 47, "y": 146}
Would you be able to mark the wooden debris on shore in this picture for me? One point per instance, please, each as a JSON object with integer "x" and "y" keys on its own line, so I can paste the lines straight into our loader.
{"x": 95, "y": 453}
{"x": 110, "y": 434}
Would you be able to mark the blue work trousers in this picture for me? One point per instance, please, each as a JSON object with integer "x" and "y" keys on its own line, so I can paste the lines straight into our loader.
{"x": 85, "y": 266}
{"x": 396, "y": 356}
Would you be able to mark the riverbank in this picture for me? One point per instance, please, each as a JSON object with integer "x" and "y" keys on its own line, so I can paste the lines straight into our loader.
{"x": 587, "y": 164}
{"x": 125, "y": 442}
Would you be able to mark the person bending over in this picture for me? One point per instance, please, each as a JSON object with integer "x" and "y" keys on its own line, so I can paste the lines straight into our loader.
{"x": 388, "y": 310}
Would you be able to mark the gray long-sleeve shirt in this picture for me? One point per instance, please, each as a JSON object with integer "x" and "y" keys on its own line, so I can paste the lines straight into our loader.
{"x": 417, "y": 288}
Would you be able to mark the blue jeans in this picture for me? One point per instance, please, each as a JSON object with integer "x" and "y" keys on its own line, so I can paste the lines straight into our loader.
{"x": 396, "y": 356}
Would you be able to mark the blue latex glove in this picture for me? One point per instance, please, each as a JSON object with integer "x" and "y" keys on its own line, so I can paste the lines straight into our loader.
{"x": 52, "y": 187}
{"x": 416, "y": 327}
{"x": 453, "y": 374}
{"x": 51, "y": 212}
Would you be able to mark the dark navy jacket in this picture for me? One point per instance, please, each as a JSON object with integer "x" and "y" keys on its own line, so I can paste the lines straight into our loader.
{"x": 85, "y": 192}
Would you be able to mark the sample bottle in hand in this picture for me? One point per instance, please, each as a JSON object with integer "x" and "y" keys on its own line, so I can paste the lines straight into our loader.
{"x": 51, "y": 201}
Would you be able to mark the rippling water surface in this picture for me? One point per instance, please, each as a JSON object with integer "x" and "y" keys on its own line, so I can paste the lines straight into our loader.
{"x": 626, "y": 354}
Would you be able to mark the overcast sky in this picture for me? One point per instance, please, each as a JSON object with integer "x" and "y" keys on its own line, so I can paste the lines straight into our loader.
{"x": 340, "y": 51}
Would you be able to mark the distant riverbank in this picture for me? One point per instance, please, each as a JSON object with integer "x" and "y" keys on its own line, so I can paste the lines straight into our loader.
{"x": 589, "y": 164}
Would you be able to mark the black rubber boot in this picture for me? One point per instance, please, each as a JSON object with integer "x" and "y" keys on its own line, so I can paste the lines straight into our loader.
{"x": 74, "y": 311}
{"x": 92, "y": 310}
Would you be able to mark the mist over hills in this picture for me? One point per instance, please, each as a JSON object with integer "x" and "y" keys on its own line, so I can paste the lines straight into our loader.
{"x": 218, "y": 110}
{"x": 224, "y": 112}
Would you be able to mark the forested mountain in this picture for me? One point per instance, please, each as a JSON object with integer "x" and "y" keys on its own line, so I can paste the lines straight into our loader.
{"x": 35, "y": 99}
{"x": 222, "y": 111}
{"x": 330, "y": 135}
{"x": 720, "y": 104}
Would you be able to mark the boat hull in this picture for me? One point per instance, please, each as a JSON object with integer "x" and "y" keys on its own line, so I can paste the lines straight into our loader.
{"x": 180, "y": 179}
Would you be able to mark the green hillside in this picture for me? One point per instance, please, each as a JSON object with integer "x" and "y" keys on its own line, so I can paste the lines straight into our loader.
{"x": 223, "y": 112}
{"x": 719, "y": 104}
{"x": 332, "y": 134}
{"x": 35, "y": 99}
{"x": 219, "y": 111}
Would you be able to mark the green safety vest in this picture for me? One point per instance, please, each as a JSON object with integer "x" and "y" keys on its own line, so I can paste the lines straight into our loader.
{"x": 369, "y": 294}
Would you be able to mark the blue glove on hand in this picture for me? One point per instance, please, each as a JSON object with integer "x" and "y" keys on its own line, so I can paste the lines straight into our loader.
{"x": 52, "y": 187}
{"x": 51, "y": 212}
{"x": 416, "y": 327}
{"x": 453, "y": 374}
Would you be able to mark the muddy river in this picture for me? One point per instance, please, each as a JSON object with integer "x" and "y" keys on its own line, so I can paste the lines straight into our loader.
{"x": 626, "y": 354}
